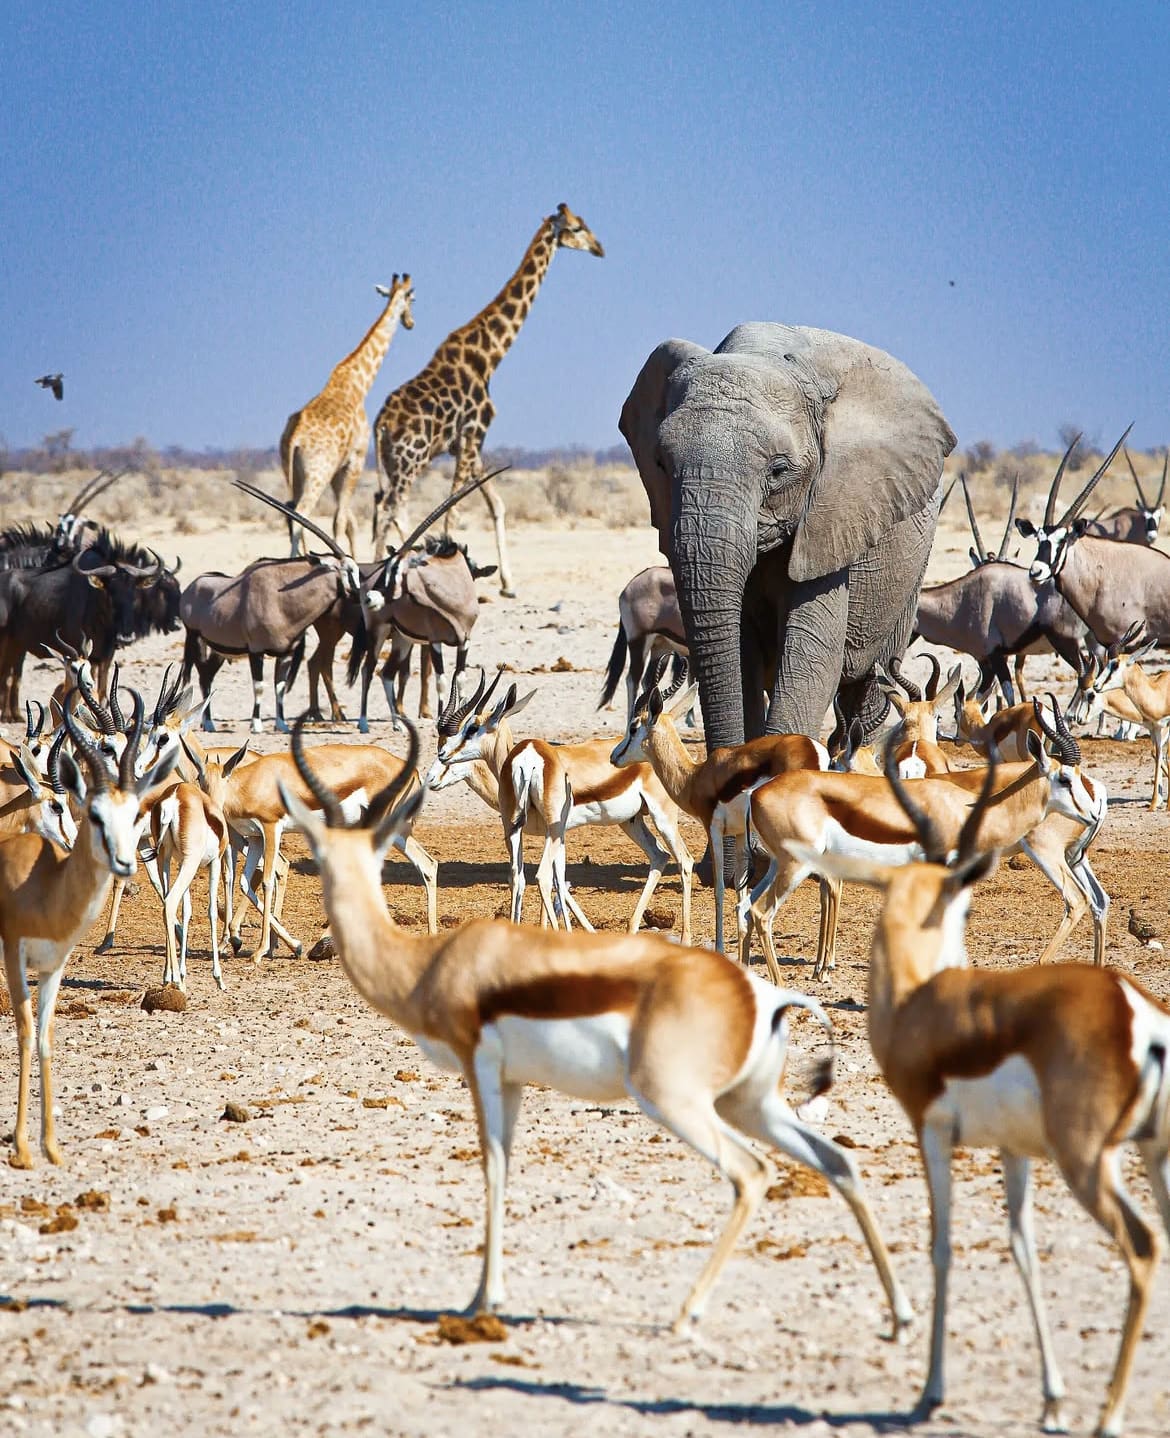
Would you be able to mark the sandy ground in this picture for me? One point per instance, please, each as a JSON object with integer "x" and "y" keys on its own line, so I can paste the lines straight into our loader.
{"x": 286, "y": 1274}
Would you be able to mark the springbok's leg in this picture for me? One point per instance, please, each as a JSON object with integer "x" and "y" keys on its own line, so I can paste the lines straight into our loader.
{"x": 21, "y": 1156}
{"x": 497, "y": 1106}
{"x": 656, "y": 857}
{"x": 1017, "y": 1183}
{"x": 428, "y": 869}
{"x": 667, "y": 826}
{"x": 213, "y": 871}
{"x": 47, "y": 987}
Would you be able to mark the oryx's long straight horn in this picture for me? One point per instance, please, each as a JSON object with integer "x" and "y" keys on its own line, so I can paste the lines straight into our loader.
{"x": 1079, "y": 503}
{"x": 1162, "y": 486}
{"x": 1011, "y": 519}
{"x": 1137, "y": 484}
{"x": 980, "y": 548}
{"x": 290, "y": 513}
{"x": 441, "y": 509}
{"x": 1054, "y": 488}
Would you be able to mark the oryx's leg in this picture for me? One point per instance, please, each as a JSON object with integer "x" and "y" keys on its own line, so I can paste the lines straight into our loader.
{"x": 397, "y": 662}
{"x": 256, "y": 664}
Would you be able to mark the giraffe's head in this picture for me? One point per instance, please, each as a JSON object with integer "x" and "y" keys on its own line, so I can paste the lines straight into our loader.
{"x": 400, "y": 290}
{"x": 574, "y": 234}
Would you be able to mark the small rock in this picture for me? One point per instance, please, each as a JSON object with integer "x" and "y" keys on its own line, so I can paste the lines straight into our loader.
{"x": 562, "y": 666}
{"x": 123, "y": 1100}
{"x": 324, "y": 948}
{"x": 1155, "y": 946}
{"x": 1018, "y": 862}
{"x": 235, "y": 1112}
{"x": 169, "y": 999}
{"x": 1141, "y": 926}
{"x": 94, "y": 1199}
{"x": 158, "y": 1110}
{"x": 153, "y": 1373}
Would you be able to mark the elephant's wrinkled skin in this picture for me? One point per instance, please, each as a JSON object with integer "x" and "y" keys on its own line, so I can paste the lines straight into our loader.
{"x": 793, "y": 475}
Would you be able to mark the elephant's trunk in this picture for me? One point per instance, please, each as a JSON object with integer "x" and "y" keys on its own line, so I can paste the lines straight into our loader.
{"x": 714, "y": 547}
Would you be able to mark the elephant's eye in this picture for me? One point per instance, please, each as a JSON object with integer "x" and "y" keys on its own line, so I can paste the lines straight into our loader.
{"x": 779, "y": 466}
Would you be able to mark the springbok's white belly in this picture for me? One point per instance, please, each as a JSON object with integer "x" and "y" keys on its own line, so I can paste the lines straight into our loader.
{"x": 584, "y": 1057}
{"x": 1001, "y": 1109}
{"x": 439, "y": 1054}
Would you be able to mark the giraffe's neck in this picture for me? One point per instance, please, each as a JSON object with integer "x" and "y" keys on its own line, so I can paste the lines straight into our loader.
{"x": 492, "y": 331}
{"x": 357, "y": 371}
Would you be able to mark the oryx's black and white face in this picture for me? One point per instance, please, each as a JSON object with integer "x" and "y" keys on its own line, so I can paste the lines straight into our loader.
{"x": 1153, "y": 521}
{"x": 1052, "y": 545}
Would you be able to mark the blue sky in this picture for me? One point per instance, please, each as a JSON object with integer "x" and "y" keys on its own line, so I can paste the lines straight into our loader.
{"x": 199, "y": 199}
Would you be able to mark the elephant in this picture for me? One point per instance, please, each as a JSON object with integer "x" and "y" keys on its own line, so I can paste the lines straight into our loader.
{"x": 794, "y": 478}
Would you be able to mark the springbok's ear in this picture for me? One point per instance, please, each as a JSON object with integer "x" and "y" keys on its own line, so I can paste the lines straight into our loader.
{"x": 952, "y": 686}
{"x": 72, "y": 777}
{"x": 1026, "y": 528}
{"x": 195, "y": 757}
{"x": 840, "y": 866}
{"x": 400, "y": 820}
{"x": 521, "y": 703}
{"x": 973, "y": 871}
{"x": 1035, "y": 747}
{"x": 237, "y": 758}
{"x": 308, "y": 821}
{"x": 685, "y": 702}
{"x": 26, "y": 766}
{"x": 157, "y": 772}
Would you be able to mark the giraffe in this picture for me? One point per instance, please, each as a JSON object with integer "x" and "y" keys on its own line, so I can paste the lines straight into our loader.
{"x": 326, "y": 442}
{"x": 446, "y": 409}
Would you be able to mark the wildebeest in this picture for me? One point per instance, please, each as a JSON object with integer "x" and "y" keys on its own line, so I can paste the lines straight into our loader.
{"x": 99, "y": 595}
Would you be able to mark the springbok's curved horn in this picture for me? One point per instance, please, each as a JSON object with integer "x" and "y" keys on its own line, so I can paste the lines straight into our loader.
{"x": 53, "y": 763}
{"x": 1082, "y": 499}
{"x": 324, "y": 795}
{"x": 33, "y": 726}
{"x": 66, "y": 650}
{"x": 94, "y": 759}
{"x": 653, "y": 678}
{"x": 453, "y": 713}
{"x": 441, "y": 509}
{"x": 1054, "y": 487}
{"x": 290, "y": 513}
{"x": 1137, "y": 484}
{"x": 115, "y": 708}
{"x": 929, "y": 836}
{"x": 95, "y": 706}
{"x": 931, "y": 691}
{"x": 130, "y": 753}
{"x": 984, "y": 553}
{"x": 1011, "y": 519}
{"x": 968, "y": 835}
{"x": 383, "y": 802}
{"x": 1068, "y": 745}
{"x": 912, "y": 689}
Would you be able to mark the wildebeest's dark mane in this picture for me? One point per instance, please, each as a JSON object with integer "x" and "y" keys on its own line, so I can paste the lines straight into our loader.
{"x": 16, "y": 536}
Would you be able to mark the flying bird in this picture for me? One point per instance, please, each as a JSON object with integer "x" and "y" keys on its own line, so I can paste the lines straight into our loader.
{"x": 53, "y": 382}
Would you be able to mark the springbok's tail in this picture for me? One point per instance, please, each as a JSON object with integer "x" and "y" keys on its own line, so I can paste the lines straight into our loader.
{"x": 824, "y": 1071}
{"x": 617, "y": 663}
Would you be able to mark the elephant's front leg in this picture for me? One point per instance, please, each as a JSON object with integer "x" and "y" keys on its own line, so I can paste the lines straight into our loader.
{"x": 811, "y": 655}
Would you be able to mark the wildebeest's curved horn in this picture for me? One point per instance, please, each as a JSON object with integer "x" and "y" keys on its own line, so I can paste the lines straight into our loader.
{"x": 95, "y": 571}
{"x": 1079, "y": 503}
{"x": 147, "y": 571}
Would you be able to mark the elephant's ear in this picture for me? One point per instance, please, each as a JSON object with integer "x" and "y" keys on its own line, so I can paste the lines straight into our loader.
{"x": 642, "y": 413}
{"x": 883, "y": 442}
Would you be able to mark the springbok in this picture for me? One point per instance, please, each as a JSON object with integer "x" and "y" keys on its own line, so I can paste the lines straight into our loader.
{"x": 862, "y": 814}
{"x": 996, "y": 611}
{"x": 551, "y": 788}
{"x": 696, "y": 1042}
{"x": 49, "y": 900}
{"x": 915, "y": 735}
{"x": 1067, "y": 1063}
{"x": 1110, "y": 584}
{"x": 715, "y": 790}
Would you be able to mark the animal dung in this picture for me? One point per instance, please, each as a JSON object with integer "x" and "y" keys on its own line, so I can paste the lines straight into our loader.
{"x": 483, "y": 1328}
{"x": 169, "y": 999}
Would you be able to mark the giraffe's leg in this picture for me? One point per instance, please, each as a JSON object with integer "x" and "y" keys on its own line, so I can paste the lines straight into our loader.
{"x": 469, "y": 464}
